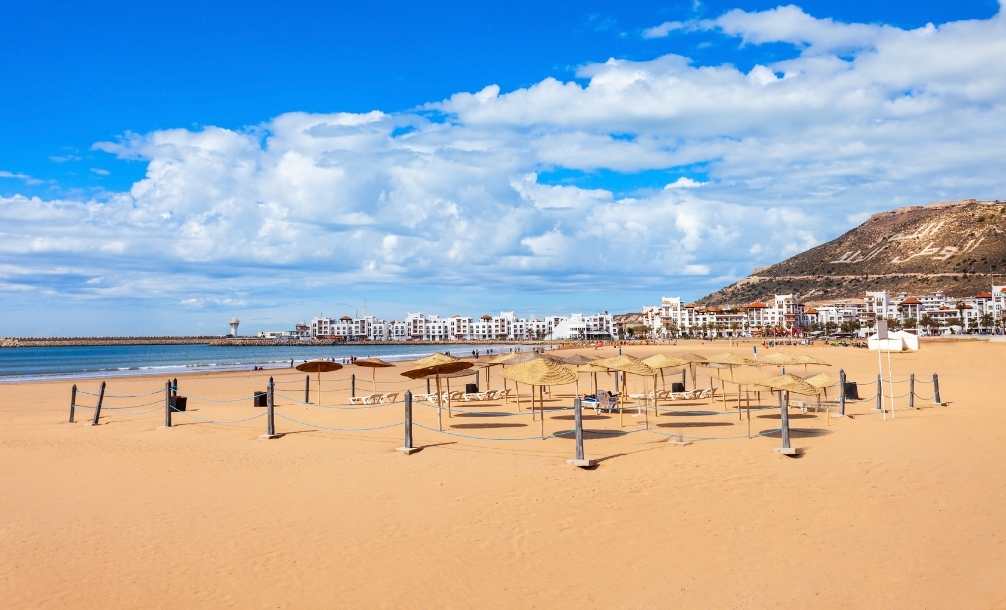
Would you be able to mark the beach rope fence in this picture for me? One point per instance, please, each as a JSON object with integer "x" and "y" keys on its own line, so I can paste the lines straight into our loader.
{"x": 294, "y": 391}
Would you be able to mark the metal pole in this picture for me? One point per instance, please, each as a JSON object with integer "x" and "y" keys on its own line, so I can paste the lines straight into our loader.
{"x": 911, "y": 391}
{"x": 73, "y": 401}
{"x": 880, "y": 385}
{"x": 408, "y": 448}
{"x": 352, "y": 385}
{"x": 841, "y": 392}
{"x": 97, "y": 407}
{"x": 936, "y": 390}
{"x": 167, "y": 404}
{"x": 427, "y": 385}
{"x": 683, "y": 379}
{"x": 307, "y": 388}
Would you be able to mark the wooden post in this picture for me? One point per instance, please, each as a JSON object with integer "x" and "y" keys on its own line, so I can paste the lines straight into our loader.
{"x": 786, "y": 449}
{"x": 97, "y": 407}
{"x": 911, "y": 391}
{"x": 841, "y": 392}
{"x": 683, "y": 379}
{"x": 579, "y": 460}
{"x": 167, "y": 404}
{"x": 174, "y": 387}
{"x": 427, "y": 385}
{"x": 408, "y": 449}
{"x": 440, "y": 405}
{"x": 352, "y": 385}
{"x": 880, "y": 386}
{"x": 541, "y": 408}
{"x": 270, "y": 414}
{"x": 936, "y": 390}
{"x": 73, "y": 401}
{"x": 307, "y": 388}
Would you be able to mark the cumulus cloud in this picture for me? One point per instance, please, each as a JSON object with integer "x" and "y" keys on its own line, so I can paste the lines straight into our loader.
{"x": 25, "y": 178}
{"x": 860, "y": 117}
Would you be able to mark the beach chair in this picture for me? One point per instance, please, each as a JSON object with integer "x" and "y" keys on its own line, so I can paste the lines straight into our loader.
{"x": 369, "y": 399}
{"x": 602, "y": 401}
{"x": 388, "y": 398}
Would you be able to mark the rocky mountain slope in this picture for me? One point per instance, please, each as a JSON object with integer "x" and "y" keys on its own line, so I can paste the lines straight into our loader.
{"x": 949, "y": 246}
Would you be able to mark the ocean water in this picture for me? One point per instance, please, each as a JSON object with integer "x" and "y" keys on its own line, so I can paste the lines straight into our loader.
{"x": 32, "y": 363}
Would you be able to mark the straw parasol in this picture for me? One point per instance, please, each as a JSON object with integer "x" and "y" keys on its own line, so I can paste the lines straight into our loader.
{"x": 788, "y": 383}
{"x": 822, "y": 381}
{"x": 540, "y": 372}
{"x": 692, "y": 359}
{"x": 436, "y": 365}
{"x": 373, "y": 364}
{"x": 779, "y": 359}
{"x": 573, "y": 359}
{"x": 806, "y": 359}
{"x": 319, "y": 367}
{"x": 505, "y": 360}
{"x": 663, "y": 361}
{"x": 593, "y": 369}
{"x": 629, "y": 364}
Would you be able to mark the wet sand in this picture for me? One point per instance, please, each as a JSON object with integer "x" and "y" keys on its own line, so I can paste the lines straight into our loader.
{"x": 903, "y": 513}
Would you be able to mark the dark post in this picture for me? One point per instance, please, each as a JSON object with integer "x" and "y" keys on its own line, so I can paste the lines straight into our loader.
{"x": 307, "y": 388}
{"x": 167, "y": 404}
{"x": 174, "y": 387}
{"x": 841, "y": 392}
{"x": 270, "y": 415}
{"x": 579, "y": 460}
{"x": 880, "y": 394}
{"x": 427, "y": 385}
{"x": 911, "y": 391}
{"x": 683, "y": 379}
{"x": 408, "y": 449}
{"x": 936, "y": 390}
{"x": 73, "y": 401}
{"x": 352, "y": 385}
{"x": 786, "y": 449}
{"x": 97, "y": 407}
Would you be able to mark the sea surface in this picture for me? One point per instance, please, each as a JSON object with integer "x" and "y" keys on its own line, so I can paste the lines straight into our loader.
{"x": 34, "y": 363}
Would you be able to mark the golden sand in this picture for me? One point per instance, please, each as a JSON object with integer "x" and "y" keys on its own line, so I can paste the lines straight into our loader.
{"x": 903, "y": 513}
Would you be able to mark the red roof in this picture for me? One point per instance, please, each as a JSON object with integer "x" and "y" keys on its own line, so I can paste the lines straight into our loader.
{"x": 757, "y": 305}
{"x": 984, "y": 294}
{"x": 911, "y": 301}
{"x": 810, "y": 310}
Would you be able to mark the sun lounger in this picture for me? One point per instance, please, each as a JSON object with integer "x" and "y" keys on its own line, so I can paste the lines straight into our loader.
{"x": 369, "y": 399}
{"x": 388, "y": 398}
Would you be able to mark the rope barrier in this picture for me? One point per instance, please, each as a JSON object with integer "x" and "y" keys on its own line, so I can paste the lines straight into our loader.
{"x": 228, "y": 401}
{"x": 536, "y": 437}
{"x": 146, "y": 404}
{"x": 221, "y": 421}
{"x": 310, "y": 425}
{"x": 157, "y": 391}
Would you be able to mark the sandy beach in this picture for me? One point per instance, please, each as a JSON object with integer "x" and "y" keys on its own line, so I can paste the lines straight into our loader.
{"x": 902, "y": 513}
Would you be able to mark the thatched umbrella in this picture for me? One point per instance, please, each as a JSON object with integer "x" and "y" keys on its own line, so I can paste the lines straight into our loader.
{"x": 806, "y": 359}
{"x": 505, "y": 360}
{"x": 540, "y": 372}
{"x": 593, "y": 369}
{"x": 779, "y": 359}
{"x": 822, "y": 381}
{"x": 784, "y": 384}
{"x": 373, "y": 364}
{"x": 436, "y": 365}
{"x": 319, "y": 367}
{"x": 663, "y": 361}
{"x": 629, "y": 364}
{"x": 692, "y": 359}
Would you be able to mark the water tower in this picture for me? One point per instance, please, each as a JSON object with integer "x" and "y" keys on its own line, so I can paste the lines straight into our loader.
{"x": 233, "y": 332}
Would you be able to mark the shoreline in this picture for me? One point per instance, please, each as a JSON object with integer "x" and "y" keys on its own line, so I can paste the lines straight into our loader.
{"x": 14, "y": 343}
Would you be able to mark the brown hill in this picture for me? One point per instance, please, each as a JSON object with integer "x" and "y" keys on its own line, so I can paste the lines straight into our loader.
{"x": 948, "y": 246}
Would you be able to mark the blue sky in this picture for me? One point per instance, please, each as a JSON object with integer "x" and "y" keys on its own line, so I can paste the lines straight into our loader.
{"x": 134, "y": 200}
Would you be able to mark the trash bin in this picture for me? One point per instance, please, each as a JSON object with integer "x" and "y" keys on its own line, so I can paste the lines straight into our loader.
{"x": 178, "y": 403}
{"x": 851, "y": 391}
{"x": 260, "y": 399}
{"x": 471, "y": 388}
{"x": 677, "y": 386}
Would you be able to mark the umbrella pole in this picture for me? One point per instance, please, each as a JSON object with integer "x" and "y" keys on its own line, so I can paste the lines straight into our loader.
{"x": 663, "y": 385}
{"x": 541, "y": 409}
{"x": 723, "y": 389}
{"x": 373, "y": 378}
{"x": 449, "y": 414}
{"x": 319, "y": 388}
{"x": 440, "y": 406}
{"x": 655, "y": 414}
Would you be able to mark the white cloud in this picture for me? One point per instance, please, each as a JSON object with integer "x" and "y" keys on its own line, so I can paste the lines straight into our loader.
{"x": 29, "y": 180}
{"x": 860, "y": 117}
{"x": 100, "y": 171}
